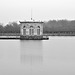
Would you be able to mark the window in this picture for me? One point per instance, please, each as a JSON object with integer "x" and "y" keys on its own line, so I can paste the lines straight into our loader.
{"x": 31, "y": 31}
{"x": 24, "y": 31}
{"x": 31, "y": 26}
{"x": 38, "y": 30}
{"x": 38, "y": 26}
{"x": 24, "y": 26}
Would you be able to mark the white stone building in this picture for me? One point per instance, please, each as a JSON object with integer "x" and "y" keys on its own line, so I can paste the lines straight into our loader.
{"x": 31, "y": 28}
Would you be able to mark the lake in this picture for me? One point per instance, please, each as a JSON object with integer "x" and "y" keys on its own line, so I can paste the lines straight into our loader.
{"x": 55, "y": 56}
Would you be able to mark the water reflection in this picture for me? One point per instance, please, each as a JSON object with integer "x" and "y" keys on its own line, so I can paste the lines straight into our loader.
{"x": 31, "y": 52}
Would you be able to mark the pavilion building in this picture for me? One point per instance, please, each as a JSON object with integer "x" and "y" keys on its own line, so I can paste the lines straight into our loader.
{"x": 31, "y": 30}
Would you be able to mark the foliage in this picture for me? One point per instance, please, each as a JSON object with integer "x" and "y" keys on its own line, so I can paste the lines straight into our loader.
{"x": 59, "y": 26}
{"x": 13, "y": 27}
{"x": 50, "y": 26}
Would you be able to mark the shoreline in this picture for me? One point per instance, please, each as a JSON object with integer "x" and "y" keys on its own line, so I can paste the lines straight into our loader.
{"x": 17, "y": 35}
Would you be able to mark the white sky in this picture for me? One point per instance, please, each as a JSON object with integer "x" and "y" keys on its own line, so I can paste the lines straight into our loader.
{"x": 16, "y": 10}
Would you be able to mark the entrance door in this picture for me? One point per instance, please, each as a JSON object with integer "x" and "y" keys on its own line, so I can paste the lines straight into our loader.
{"x": 31, "y": 31}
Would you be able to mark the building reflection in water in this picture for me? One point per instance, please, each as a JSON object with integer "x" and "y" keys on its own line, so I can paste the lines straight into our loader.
{"x": 31, "y": 52}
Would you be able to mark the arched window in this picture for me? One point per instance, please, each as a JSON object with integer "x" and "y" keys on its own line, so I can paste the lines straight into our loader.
{"x": 38, "y": 26}
{"x": 31, "y": 31}
{"x": 24, "y": 30}
{"x": 24, "y": 26}
{"x": 38, "y": 30}
{"x": 31, "y": 26}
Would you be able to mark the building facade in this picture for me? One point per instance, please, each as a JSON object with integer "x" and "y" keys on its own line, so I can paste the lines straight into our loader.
{"x": 31, "y": 28}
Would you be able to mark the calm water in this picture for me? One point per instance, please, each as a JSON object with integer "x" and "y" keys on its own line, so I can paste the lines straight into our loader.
{"x": 48, "y": 57}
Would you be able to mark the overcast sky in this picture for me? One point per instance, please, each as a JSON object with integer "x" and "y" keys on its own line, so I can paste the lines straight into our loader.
{"x": 15, "y": 10}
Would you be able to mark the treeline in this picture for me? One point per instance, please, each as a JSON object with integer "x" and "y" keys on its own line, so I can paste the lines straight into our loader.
{"x": 59, "y": 26}
{"x": 13, "y": 27}
{"x": 50, "y": 26}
